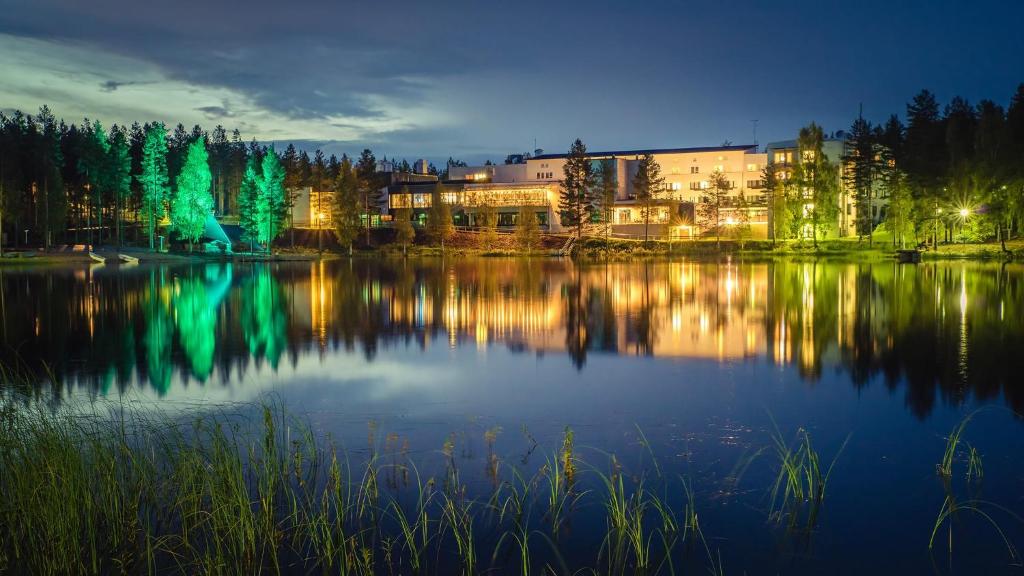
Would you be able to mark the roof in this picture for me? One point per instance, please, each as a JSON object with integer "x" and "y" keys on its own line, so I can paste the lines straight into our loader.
{"x": 742, "y": 148}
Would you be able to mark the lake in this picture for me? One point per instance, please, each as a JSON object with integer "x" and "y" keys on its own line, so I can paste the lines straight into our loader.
{"x": 681, "y": 373}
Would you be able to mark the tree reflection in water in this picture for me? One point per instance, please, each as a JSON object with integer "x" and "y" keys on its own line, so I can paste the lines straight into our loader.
{"x": 944, "y": 331}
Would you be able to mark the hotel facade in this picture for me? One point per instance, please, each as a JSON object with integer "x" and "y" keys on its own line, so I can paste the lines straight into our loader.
{"x": 534, "y": 184}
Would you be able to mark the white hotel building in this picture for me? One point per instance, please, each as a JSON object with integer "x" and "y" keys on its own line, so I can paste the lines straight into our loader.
{"x": 535, "y": 184}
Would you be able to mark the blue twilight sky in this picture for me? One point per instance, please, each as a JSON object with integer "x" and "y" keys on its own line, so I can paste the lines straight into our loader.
{"x": 478, "y": 79}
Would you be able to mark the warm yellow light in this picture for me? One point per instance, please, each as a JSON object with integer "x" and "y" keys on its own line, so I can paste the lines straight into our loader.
{"x": 964, "y": 212}
{"x": 730, "y": 221}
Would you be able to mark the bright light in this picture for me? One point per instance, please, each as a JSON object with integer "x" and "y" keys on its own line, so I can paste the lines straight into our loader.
{"x": 964, "y": 212}
{"x": 730, "y": 221}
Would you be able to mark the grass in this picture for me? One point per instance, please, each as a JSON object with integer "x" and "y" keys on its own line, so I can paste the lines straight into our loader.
{"x": 800, "y": 485}
{"x": 133, "y": 492}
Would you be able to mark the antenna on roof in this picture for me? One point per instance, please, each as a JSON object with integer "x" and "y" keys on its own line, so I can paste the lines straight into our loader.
{"x": 754, "y": 122}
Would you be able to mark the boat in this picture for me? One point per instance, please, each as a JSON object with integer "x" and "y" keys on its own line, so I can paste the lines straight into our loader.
{"x": 128, "y": 259}
{"x": 908, "y": 256}
{"x": 97, "y": 257}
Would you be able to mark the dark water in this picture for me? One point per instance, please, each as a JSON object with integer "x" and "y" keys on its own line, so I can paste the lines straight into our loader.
{"x": 702, "y": 357}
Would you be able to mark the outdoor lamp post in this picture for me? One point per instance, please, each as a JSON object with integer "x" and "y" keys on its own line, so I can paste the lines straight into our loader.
{"x": 965, "y": 213}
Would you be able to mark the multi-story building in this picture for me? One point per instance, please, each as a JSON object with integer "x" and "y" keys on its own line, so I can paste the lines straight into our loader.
{"x": 782, "y": 158}
{"x": 534, "y": 184}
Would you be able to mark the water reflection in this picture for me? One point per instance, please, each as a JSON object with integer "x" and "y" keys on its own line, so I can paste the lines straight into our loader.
{"x": 944, "y": 331}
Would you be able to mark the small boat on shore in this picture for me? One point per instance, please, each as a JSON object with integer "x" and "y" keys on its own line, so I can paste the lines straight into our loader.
{"x": 908, "y": 256}
{"x": 96, "y": 257}
{"x": 128, "y": 259}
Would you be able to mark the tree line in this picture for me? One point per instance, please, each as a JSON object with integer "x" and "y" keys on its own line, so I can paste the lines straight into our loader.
{"x": 945, "y": 173}
{"x": 62, "y": 182}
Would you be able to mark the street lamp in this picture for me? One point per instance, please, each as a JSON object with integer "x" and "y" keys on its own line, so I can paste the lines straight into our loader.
{"x": 965, "y": 213}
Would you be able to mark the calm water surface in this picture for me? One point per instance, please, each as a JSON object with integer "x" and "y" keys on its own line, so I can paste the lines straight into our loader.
{"x": 705, "y": 358}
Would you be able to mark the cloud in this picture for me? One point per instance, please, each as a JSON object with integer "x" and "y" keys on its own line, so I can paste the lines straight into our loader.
{"x": 78, "y": 80}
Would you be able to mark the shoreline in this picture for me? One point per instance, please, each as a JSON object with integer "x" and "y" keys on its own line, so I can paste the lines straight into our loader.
{"x": 588, "y": 250}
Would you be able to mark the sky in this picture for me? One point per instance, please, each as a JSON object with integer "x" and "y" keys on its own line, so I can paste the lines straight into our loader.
{"x": 479, "y": 79}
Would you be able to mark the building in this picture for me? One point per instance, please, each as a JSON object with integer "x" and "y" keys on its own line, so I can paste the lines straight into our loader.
{"x": 782, "y": 157}
{"x": 534, "y": 184}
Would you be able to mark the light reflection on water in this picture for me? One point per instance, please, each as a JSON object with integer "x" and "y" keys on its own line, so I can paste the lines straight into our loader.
{"x": 703, "y": 357}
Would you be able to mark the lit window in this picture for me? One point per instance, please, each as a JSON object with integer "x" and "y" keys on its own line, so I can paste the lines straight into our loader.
{"x": 674, "y": 186}
{"x": 719, "y": 168}
{"x": 751, "y": 167}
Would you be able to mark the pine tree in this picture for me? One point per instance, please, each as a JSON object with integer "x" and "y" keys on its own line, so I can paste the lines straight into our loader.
{"x": 575, "y": 202}
{"x": 192, "y": 203}
{"x": 369, "y": 186}
{"x": 648, "y": 183}
{"x": 347, "y": 206}
{"x": 120, "y": 175}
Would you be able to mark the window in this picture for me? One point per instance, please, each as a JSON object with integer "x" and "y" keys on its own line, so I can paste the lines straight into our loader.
{"x": 694, "y": 185}
{"x": 751, "y": 167}
{"x": 506, "y": 219}
{"x": 732, "y": 184}
{"x": 719, "y": 168}
{"x": 674, "y": 186}
{"x": 755, "y": 183}
{"x": 694, "y": 169}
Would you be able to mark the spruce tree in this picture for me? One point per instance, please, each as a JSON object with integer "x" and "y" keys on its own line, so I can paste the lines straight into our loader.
{"x": 575, "y": 202}
{"x": 859, "y": 174}
{"x": 192, "y": 203}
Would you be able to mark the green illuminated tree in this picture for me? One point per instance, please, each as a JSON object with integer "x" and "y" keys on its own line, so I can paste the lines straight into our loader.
{"x": 403, "y": 227}
{"x": 153, "y": 178}
{"x": 347, "y": 206}
{"x": 264, "y": 319}
{"x": 817, "y": 180}
{"x": 647, "y": 184}
{"x": 272, "y": 204}
{"x": 248, "y": 199}
{"x": 192, "y": 200}
{"x": 439, "y": 217}
{"x": 741, "y": 221}
{"x": 575, "y": 203}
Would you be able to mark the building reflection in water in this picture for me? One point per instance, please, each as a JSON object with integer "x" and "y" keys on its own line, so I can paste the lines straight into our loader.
{"x": 950, "y": 329}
